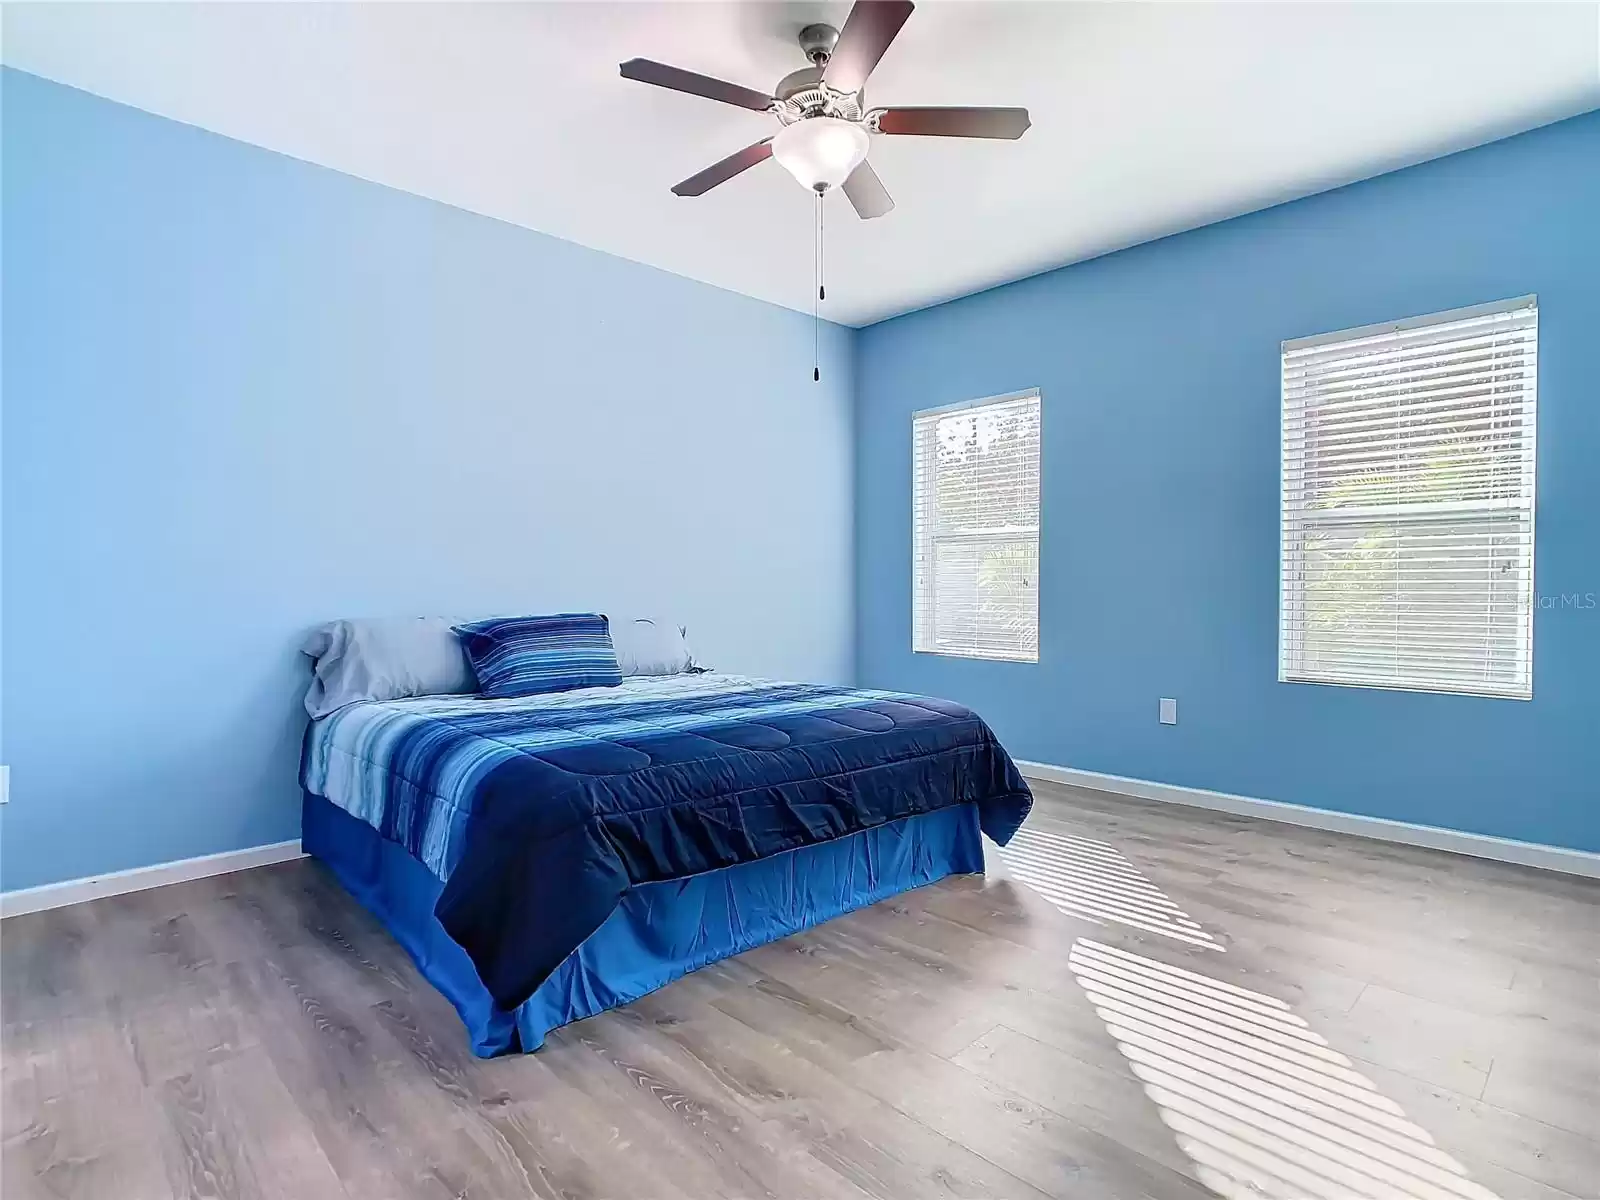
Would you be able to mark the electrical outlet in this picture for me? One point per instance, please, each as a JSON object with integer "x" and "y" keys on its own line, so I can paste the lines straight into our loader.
{"x": 1169, "y": 711}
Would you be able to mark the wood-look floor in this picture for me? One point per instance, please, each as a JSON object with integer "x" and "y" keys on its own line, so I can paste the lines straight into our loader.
{"x": 1157, "y": 1002}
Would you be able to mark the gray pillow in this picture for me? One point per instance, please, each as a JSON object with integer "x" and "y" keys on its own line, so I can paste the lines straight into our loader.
{"x": 647, "y": 647}
{"x": 385, "y": 658}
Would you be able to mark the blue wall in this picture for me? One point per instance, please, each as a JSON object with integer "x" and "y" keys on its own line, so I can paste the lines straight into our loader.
{"x": 243, "y": 395}
{"x": 1159, "y": 368}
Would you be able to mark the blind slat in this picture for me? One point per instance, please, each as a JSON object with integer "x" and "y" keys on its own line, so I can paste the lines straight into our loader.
{"x": 1407, "y": 505}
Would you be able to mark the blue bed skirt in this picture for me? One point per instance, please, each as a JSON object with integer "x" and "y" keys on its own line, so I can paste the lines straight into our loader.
{"x": 660, "y": 931}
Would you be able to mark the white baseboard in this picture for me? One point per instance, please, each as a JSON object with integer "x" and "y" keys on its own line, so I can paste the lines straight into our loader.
{"x": 93, "y": 887}
{"x": 1478, "y": 845}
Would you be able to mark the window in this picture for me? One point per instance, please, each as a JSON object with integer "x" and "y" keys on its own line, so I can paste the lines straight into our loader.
{"x": 975, "y": 529}
{"x": 1408, "y": 457}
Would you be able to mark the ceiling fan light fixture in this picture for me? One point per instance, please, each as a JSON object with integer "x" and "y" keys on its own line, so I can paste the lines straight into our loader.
{"x": 820, "y": 151}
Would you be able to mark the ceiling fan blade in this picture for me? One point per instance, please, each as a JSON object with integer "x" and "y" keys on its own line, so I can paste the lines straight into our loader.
{"x": 1008, "y": 123}
{"x": 679, "y": 80}
{"x": 721, "y": 172}
{"x": 867, "y": 32}
{"x": 867, "y": 193}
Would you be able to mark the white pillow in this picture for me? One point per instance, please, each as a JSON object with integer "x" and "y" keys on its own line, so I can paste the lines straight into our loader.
{"x": 385, "y": 658}
{"x": 648, "y": 647}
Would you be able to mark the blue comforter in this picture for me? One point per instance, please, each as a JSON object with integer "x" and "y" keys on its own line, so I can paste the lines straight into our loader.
{"x": 538, "y": 813}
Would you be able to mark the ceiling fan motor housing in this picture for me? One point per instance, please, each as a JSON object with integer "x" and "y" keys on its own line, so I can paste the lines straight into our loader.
{"x": 801, "y": 94}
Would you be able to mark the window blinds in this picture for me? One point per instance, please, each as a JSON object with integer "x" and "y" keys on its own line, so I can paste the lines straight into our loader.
{"x": 1408, "y": 497}
{"x": 975, "y": 529}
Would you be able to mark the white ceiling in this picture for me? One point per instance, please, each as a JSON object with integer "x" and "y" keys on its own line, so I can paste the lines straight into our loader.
{"x": 1147, "y": 118}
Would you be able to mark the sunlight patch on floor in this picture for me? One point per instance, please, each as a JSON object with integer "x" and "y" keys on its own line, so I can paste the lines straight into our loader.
{"x": 1261, "y": 1104}
{"x": 1094, "y": 882}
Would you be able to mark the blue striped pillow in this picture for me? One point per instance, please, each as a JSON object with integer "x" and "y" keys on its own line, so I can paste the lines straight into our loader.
{"x": 522, "y": 656}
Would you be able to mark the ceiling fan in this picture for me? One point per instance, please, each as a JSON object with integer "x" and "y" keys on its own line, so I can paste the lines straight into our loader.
{"x": 826, "y": 125}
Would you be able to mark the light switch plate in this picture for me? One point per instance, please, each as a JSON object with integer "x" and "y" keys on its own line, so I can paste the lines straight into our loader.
{"x": 1169, "y": 711}
{"x": 5, "y": 785}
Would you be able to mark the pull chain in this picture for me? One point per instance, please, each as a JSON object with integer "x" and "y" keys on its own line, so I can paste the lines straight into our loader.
{"x": 817, "y": 299}
{"x": 822, "y": 256}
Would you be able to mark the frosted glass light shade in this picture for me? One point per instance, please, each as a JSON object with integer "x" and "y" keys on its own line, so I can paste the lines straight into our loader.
{"x": 820, "y": 151}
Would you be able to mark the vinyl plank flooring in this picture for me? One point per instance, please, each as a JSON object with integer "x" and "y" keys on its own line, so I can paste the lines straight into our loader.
{"x": 1420, "y": 1038}
{"x": 44, "y": 965}
{"x": 1039, "y": 1145}
{"x": 691, "y": 1143}
{"x": 194, "y": 1023}
{"x": 567, "y": 1140}
{"x": 1561, "y": 1089}
{"x": 1488, "y": 1138}
{"x": 1517, "y": 1035}
{"x": 1105, "y": 1099}
{"x": 879, "y": 1149}
{"x": 721, "y": 1109}
{"x": 86, "y": 1127}
{"x": 276, "y": 1147}
{"x": 1043, "y": 1148}
{"x": 547, "y": 1162}
{"x": 1356, "y": 1020}
{"x": 1574, "y": 980}
{"x": 332, "y": 1064}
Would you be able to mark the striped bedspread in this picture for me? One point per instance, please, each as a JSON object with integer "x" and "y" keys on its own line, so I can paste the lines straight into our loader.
{"x": 539, "y": 812}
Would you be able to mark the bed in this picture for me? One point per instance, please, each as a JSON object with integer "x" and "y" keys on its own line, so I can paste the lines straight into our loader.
{"x": 544, "y": 858}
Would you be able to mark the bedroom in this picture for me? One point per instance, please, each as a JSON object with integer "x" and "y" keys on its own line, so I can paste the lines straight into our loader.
{"x": 319, "y": 319}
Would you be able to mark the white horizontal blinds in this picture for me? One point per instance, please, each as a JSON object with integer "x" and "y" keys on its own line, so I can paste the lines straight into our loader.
{"x": 1408, "y": 461}
{"x": 975, "y": 529}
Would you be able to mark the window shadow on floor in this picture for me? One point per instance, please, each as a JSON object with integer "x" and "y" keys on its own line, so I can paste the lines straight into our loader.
{"x": 1262, "y": 1105}
{"x": 1095, "y": 882}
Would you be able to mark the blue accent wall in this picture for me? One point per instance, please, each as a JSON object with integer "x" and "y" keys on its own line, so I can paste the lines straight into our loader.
{"x": 244, "y": 395}
{"x": 1159, "y": 368}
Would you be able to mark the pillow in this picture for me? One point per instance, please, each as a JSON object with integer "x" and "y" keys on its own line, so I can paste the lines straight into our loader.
{"x": 646, "y": 647}
{"x": 384, "y": 659}
{"x": 523, "y": 656}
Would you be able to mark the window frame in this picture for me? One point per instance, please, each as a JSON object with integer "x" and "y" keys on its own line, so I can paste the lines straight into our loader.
{"x": 1292, "y": 555}
{"x": 926, "y": 533}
